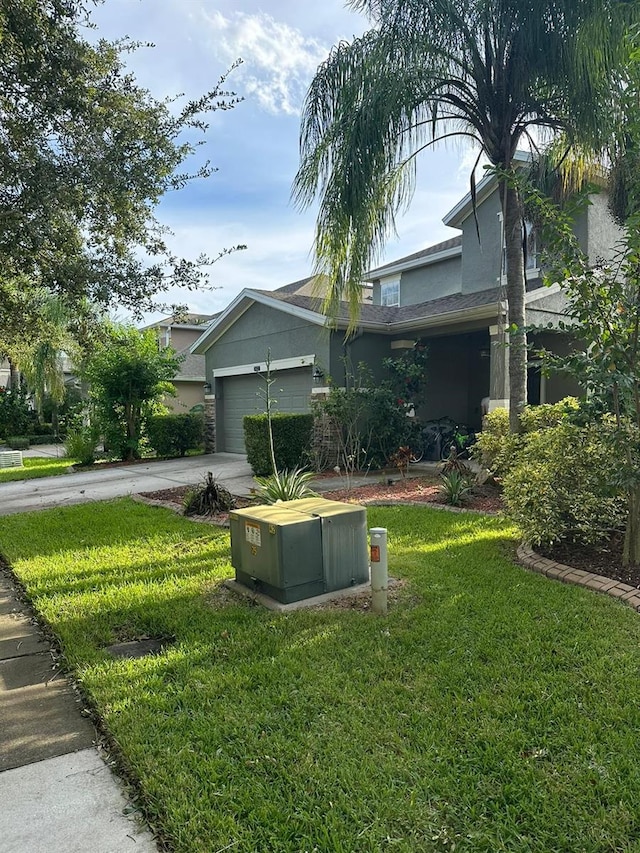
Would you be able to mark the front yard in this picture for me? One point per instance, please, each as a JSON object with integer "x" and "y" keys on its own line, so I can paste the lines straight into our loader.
{"x": 36, "y": 467}
{"x": 492, "y": 710}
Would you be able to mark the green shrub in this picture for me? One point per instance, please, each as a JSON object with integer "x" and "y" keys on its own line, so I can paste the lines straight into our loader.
{"x": 173, "y": 435}
{"x": 285, "y": 486}
{"x": 208, "y": 498}
{"x": 80, "y": 444}
{"x": 42, "y": 429}
{"x": 496, "y": 448}
{"x": 42, "y": 439}
{"x": 291, "y": 441}
{"x": 455, "y": 487}
{"x": 16, "y": 417}
{"x": 549, "y": 414}
{"x": 563, "y": 485}
{"x": 18, "y": 442}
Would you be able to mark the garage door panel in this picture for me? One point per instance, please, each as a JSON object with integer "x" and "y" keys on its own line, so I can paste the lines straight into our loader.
{"x": 244, "y": 395}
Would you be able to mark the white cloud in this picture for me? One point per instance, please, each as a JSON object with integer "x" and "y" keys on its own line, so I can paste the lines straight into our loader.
{"x": 279, "y": 61}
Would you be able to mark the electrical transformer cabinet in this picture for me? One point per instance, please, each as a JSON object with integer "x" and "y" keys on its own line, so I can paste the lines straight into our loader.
{"x": 300, "y": 549}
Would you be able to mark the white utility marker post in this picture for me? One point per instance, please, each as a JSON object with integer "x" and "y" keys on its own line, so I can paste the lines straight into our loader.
{"x": 379, "y": 570}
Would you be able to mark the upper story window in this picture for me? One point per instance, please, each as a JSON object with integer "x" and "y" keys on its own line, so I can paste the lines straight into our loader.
{"x": 532, "y": 259}
{"x": 390, "y": 293}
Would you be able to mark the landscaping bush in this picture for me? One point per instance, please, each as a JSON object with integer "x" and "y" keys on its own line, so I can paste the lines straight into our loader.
{"x": 18, "y": 442}
{"x": 173, "y": 435}
{"x": 291, "y": 441}
{"x": 285, "y": 486}
{"x": 42, "y": 429}
{"x": 562, "y": 484}
{"x": 43, "y": 439}
{"x": 209, "y": 498}
{"x": 80, "y": 444}
{"x": 496, "y": 448}
{"x": 16, "y": 417}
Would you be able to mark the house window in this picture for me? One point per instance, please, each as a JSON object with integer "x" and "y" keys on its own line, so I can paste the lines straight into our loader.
{"x": 390, "y": 293}
{"x": 531, "y": 238}
{"x": 532, "y": 259}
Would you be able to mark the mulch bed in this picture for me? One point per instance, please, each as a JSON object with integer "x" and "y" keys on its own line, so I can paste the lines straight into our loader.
{"x": 602, "y": 560}
{"x": 417, "y": 490}
{"x": 410, "y": 490}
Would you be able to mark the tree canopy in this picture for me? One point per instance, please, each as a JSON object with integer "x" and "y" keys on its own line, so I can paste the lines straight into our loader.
{"x": 85, "y": 156}
{"x": 429, "y": 70}
{"x": 129, "y": 374}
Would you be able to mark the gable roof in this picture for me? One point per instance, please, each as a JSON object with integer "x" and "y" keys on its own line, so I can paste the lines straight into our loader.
{"x": 182, "y": 321}
{"x": 440, "y": 251}
{"x": 484, "y": 188}
{"x": 374, "y": 318}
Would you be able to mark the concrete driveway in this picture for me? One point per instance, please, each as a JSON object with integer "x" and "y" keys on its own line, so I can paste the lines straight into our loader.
{"x": 100, "y": 485}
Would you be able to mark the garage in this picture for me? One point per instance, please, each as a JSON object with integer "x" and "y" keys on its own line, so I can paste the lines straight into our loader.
{"x": 245, "y": 395}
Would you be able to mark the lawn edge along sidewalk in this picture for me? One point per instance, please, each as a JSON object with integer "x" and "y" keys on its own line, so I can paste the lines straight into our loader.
{"x": 57, "y": 792}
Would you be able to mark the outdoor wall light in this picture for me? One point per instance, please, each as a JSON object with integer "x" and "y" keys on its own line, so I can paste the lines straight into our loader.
{"x": 207, "y": 387}
{"x": 317, "y": 374}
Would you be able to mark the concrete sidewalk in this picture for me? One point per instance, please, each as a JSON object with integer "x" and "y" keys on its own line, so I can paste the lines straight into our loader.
{"x": 57, "y": 794}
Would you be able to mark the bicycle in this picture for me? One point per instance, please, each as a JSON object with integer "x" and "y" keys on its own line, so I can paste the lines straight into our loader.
{"x": 437, "y": 437}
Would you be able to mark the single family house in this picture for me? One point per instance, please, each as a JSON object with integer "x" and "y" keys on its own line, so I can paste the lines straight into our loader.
{"x": 451, "y": 295}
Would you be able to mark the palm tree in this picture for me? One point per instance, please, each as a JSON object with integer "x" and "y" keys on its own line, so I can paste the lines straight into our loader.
{"x": 429, "y": 70}
{"x": 42, "y": 360}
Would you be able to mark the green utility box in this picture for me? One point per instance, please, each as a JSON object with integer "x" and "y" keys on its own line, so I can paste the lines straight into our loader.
{"x": 300, "y": 549}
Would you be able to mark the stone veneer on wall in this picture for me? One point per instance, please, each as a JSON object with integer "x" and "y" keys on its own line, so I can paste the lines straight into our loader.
{"x": 210, "y": 423}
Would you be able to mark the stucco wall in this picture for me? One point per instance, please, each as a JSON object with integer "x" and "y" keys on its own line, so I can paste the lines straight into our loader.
{"x": 183, "y": 338}
{"x": 370, "y": 349}
{"x": 189, "y": 394}
{"x": 604, "y": 233}
{"x": 262, "y": 328}
{"x": 481, "y": 259}
{"x": 431, "y": 282}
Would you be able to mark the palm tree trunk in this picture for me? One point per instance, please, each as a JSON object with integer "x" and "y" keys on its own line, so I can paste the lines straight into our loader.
{"x": 14, "y": 376}
{"x": 631, "y": 547}
{"x": 512, "y": 217}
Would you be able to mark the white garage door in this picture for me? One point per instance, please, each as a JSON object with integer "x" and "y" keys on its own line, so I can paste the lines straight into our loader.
{"x": 244, "y": 395}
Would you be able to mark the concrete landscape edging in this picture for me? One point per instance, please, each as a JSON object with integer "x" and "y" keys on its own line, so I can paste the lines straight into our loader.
{"x": 629, "y": 595}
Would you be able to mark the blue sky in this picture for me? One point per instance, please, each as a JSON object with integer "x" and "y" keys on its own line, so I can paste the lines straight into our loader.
{"x": 255, "y": 146}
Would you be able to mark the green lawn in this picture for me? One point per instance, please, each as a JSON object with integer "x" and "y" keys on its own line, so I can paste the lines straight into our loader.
{"x": 38, "y": 466}
{"x": 493, "y": 709}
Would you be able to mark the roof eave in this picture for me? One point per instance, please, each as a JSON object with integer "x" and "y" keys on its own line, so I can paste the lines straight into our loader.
{"x": 237, "y": 308}
{"x": 383, "y": 272}
{"x": 462, "y": 315}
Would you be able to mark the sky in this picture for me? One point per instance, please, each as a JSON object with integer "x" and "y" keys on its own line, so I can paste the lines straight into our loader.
{"x": 254, "y": 147}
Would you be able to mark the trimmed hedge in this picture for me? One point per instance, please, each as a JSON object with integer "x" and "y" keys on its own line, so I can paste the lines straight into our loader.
{"x": 291, "y": 441}
{"x": 44, "y": 439}
{"x": 173, "y": 435}
{"x": 18, "y": 442}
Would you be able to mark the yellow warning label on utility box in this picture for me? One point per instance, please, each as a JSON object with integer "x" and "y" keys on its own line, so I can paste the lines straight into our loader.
{"x": 252, "y": 533}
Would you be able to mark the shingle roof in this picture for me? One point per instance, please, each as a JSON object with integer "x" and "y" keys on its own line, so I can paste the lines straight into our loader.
{"x": 192, "y": 366}
{"x": 387, "y": 315}
{"x": 452, "y": 243}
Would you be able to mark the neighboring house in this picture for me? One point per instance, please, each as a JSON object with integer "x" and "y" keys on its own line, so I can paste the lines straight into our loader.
{"x": 5, "y": 373}
{"x": 179, "y": 333}
{"x": 452, "y": 295}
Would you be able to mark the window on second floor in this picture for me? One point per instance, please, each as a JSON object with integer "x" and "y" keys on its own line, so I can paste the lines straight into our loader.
{"x": 532, "y": 255}
{"x": 390, "y": 293}
{"x": 532, "y": 262}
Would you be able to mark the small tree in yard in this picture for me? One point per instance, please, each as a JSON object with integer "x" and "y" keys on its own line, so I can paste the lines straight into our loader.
{"x": 128, "y": 375}
{"x": 604, "y": 311}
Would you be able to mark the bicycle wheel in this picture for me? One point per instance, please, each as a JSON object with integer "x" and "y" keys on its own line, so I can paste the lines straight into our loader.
{"x": 416, "y": 455}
